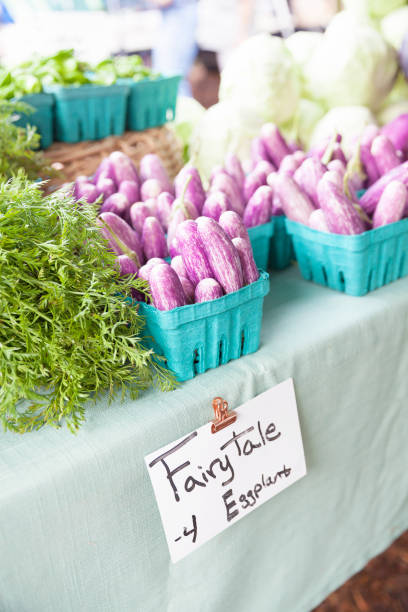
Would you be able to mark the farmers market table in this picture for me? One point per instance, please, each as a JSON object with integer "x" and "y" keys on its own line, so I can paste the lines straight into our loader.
{"x": 79, "y": 525}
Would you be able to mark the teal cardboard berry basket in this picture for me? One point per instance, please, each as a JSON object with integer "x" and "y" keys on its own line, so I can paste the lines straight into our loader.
{"x": 42, "y": 117}
{"x": 197, "y": 337}
{"x": 89, "y": 112}
{"x": 260, "y": 237}
{"x": 281, "y": 252}
{"x": 353, "y": 264}
{"x": 151, "y": 102}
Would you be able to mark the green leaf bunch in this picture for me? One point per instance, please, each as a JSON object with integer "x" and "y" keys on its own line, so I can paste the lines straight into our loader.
{"x": 69, "y": 329}
{"x": 64, "y": 69}
{"x": 121, "y": 67}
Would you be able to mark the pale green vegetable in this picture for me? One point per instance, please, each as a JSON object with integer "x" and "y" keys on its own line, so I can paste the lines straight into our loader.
{"x": 392, "y": 111}
{"x": 224, "y": 127}
{"x": 301, "y": 126}
{"x": 394, "y": 27}
{"x": 188, "y": 114}
{"x": 373, "y": 8}
{"x": 349, "y": 121}
{"x": 302, "y": 44}
{"x": 353, "y": 65}
{"x": 395, "y": 103}
{"x": 261, "y": 76}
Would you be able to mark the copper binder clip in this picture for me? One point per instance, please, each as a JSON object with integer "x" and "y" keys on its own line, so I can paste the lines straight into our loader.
{"x": 223, "y": 416}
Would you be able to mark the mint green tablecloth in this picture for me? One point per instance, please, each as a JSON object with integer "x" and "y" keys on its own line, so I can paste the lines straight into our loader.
{"x": 79, "y": 526}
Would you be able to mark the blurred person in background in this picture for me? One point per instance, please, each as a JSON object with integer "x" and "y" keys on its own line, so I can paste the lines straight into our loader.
{"x": 176, "y": 47}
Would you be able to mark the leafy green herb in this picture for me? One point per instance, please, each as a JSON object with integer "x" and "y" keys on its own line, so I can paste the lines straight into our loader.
{"x": 66, "y": 70}
{"x": 67, "y": 333}
{"x": 17, "y": 145}
{"x": 121, "y": 67}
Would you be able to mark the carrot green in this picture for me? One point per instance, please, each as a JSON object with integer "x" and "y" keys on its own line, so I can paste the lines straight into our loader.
{"x": 66, "y": 332}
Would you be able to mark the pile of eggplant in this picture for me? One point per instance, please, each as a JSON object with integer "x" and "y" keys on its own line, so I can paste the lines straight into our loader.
{"x": 320, "y": 188}
{"x": 146, "y": 218}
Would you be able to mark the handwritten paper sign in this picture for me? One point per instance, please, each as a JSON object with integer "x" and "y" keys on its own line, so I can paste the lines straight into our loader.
{"x": 205, "y": 482}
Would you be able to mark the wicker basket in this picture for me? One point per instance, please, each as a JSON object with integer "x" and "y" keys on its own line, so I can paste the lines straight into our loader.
{"x": 83, "y": 158}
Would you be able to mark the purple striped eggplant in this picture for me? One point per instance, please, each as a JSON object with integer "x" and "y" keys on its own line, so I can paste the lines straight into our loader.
{"x": 145, "y": 270}
{"x": 193, "y": 190}
{"x": 104, "y": 170}
{"x": 221, "y": 254}
{"x": 384, "y": 153}
{"x": 233, "y": 225}
{"x": 151, "y": 167}
{"x": 299, "y": 156}
{"x": 181, "y": 211}
{"x": 121, "y": 168}
{"x": 131, "y": 190}
{"x": 188, "y": 288}
{"x": 178, "y": 265}
{"x": 224, "y": 183}
{"x": 122, "y": 239}
{"x": 366, "y": 157}
{"x": 166, "y": 288}
{"x": 106, "y": 187}
{"x": 216, "y": 170}
{"x": 254, "y": 180}
{"x": 369, "y": 164}
{"x": 397, "y": 132}
{"x": 127, "y": 266}
{"x": 138, "y": 212}
{"x": 173, "y": 248}
{"x": 246, "y": 256}
{"x": 317, "y": 221}
{"x": 116, "y": 203}
{"x": 193, "y": 251}
{"x": 248, "y": 166}
{"x": 275, "y": 143}
{"x": 234, "y": 168}
{"x": 293, "y": 146}
{"x": 334, "y": 177}
{"x": 151, "y": 204}
{"x": 369, "y": 133}
{"x": 292, "y": 199}
{"x": 85, "y": 191}
{"x": 151, "y": 188}
{"x": 323, "y": 149}
{"x": 259, "y": 208}
{"x": 308, "y": 176}
{"x": 208, "y": 289}
{"x": 338, "y": 153}
{"x": 289, "y": 164}
{"x": 164, "y": 208}
{"x": 258, "y": 151}
{"x": 215, "y": 204}
{"x": 265, "y": 167}
{"x": 340, "y": 214}
{"x": 370, "y": 199}
{"x": 271, "y": 179}
{"x": 276, "y": 208}
{"x": 391, "y": 205}
{"x": 337, "y": 166}
{"x": 153, "y": 239}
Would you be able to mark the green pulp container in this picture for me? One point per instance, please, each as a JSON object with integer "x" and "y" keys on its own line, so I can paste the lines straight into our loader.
{"x": 89, "y": 112}
{"x": 151, "y": 102}
{"x": 41, "y": 118}
{"x": 197, "y": 337}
